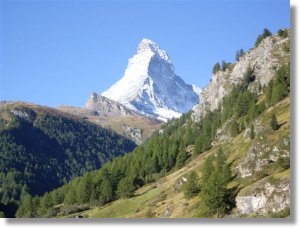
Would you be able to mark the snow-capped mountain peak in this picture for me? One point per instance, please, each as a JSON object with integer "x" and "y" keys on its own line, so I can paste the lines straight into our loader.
{"x": 147, "y": 45}
{"x": 150, "y": 85}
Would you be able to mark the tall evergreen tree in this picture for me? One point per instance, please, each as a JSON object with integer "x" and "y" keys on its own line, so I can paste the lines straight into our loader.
{"x": 84, "y": 189}
{"x": 261, "y": 37}
{"x": 125, "y": 188}
{"x": 26, "y": 209}
{"x": 181, "y": 157}
{"x": 234, "y": 128}
{"x": 106, "y": 192}
{"x": 214, "y": 184}
{"x": 192, "y": 186}
{"x": 274, "y": 123}
{"x": 252, "y": 133}
{"x": 216, "y": 68}
{"x": 71, "y": 197}
{"x": 240, "y": 53}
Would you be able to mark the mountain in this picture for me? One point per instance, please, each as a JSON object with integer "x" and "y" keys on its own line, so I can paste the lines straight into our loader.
{"x": 107, "y": 107}
{"x": 261, "y": 62}
{"x": 42, "y": 148}
{"x": 227, "y": 161}
{"x": 150, "y": 85}
{"x": 111, "y": 114}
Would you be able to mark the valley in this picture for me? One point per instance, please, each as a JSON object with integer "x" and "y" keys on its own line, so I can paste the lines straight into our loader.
{"x": 222, "y": 152}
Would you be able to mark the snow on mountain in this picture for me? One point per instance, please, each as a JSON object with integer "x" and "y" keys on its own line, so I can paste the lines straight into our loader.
{"x": 151, "y": 87}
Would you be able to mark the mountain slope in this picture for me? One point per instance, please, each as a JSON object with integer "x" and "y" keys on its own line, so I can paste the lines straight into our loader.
{"x": 111, "y": 114}
{"x": 251, "y": 127}
{"x": 165, "y": 198}
{"x": 261, "y": 63}
{"x": 42, "y": 148}
{"x": 150, "y": 85}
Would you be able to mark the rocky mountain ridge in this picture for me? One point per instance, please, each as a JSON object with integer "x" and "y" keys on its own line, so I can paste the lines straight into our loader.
{"x": 262, "y": 61}
{"x": 112, "y": 114}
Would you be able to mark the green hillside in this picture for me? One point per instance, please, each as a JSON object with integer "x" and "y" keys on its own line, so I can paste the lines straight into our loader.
{"x": 165, "y": 197}
{"x": 180, "y": 147}
{"x": 42, "y": 148}
{"x": 229, "y": 157}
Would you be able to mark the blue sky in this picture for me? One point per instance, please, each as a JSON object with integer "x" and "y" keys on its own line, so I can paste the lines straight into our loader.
{"x": 59, "y": 52}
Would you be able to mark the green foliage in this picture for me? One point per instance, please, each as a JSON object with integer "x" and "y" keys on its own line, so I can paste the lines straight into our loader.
{"x": 261, "y": 37}
{"x": 181, "y": 158}
{"x": 45, "y": 150}
{"x": 225, "y": 65}
{"x": 84, "y": 189}
{"x": 26, "y": 209}
{"x": 216, "y": 68}
{"x": 240, "y": 53}
{"x": 274, "y": 123}
{"x": 70, "y": 197}
{"x": 149, "y": 213}
{"x": 192, "y": 187}
{"x": 253, "y": 112}
{"x": 166, "y": 152}
{"x": 280, "y": 87}
{"x": 207, "y": 130}
{"x": 234, "y": 128}
{"x": 46, "y": 202}
{"x": 283, "y": 33}
{"x": 243, "y": 103}
{"x": 283, "y": 162}
{"x": 252, "y": 133}
{"x": 214, "y": 182}
{"x": 105, "y": 192}
{"x": 125, "y": 188}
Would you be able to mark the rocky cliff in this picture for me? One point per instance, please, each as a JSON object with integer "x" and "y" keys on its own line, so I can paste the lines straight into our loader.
{"x": 263, "y": 61}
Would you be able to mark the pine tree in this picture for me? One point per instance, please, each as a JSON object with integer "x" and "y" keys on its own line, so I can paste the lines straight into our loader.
{"x": 208, "y": 168}
{"x": 216, "y": 68}
{"x": 252, "y": 112}
{"x": 274, "y": 123}
{"x": 282, "y": 33}
{"x": 125, "y": 188}
{"x": 224, "y": 65}
{"x": 192, "y": 186}
{"x": 46, "y": 203}
{"x": 234, "y": 128}
{"x": 26, "y": 210}
{"x": 269, "y": 92}
{"x": 240, "y": 53}
{"x": 71, "y": 197}
{"x": 84, "y": 189}
{"x": 106, "y": 192}
{"x": 260, "y": 38}
{"x": 93, "y": 198}
{"x": 280, "y": 87}
{"x": 214, "y": 184}
{"x": 181, "y": 157}
{"x": 220, "y": 160}
{"x": 252, "y": 133}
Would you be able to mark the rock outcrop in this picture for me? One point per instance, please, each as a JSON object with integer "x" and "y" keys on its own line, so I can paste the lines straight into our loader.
{"x": 259, "y": 155}
{"x": 263, "y": 61}
{"x": 266, "y": 197}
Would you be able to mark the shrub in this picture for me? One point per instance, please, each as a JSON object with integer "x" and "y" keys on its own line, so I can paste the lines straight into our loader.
{"x": 282, "y": 33}
{"x": 261, "y": 37}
